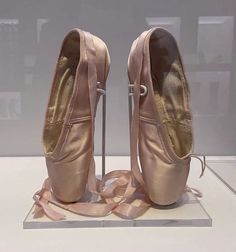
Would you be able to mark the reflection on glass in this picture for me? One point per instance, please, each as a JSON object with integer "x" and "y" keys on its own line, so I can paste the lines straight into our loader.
{"x": 171, "y": 24}
{"x": 8, "y": 24}
{"x": 10, "y": 105}
{"x": 40, "y": 23}
{"x": 9, "y": 44}
{"x": 210, "y": 93}
{"x": 215, "y": 39}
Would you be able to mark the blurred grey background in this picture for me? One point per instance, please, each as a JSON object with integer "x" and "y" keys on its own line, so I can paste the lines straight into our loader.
{"x": 31, "y": 33}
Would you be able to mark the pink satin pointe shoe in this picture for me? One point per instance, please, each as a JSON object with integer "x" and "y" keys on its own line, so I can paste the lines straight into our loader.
{"x": 79, "y": 80}
{"x": 161, "y": 127}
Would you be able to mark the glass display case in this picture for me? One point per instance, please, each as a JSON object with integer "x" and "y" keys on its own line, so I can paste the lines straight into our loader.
{"x": 31, "y": 33}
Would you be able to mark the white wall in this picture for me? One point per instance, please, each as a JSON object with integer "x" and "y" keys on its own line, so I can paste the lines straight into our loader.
{"x": 31, "y": 33}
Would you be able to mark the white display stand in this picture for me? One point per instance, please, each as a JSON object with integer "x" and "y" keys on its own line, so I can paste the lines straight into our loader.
{"x": 225, "y": 169}
{"x": 187, "y": 212}
{"x": 21, "y": 177}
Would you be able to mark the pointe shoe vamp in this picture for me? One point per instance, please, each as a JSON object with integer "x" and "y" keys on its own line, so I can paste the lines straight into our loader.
{"x": 69, "y": 172}
{"x": 165, "y": 179}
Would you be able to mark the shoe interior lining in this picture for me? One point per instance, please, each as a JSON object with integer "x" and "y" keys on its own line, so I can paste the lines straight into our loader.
{"x": 171, "y": 90}
{"x": 62, "y": 90}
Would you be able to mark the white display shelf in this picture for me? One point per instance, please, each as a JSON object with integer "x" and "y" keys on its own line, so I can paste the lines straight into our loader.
{"x": 225, "y": 169}
{"x": 186, "y": 212}
{"x": 21, "y": 177}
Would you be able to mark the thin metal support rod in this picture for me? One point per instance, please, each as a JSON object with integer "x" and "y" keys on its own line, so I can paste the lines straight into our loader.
{"x": 103, "y": 134}
{"x": 130, "y": 110}
{"x": 130, "y": 104}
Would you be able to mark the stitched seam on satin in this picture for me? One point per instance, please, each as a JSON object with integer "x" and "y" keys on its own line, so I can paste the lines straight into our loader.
{"x": 80, "y": 119}
{"x": 149, "y": 120}
{"x": 69, "y": 126}
{"x": 72, "y": 121}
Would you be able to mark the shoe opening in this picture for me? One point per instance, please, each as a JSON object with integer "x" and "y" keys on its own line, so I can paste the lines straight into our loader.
{"x": 62, "y": 89}
{"x": 171, "y": 90}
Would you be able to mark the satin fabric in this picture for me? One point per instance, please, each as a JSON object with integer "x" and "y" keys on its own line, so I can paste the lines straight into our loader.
{"x": 164, "y": 171}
